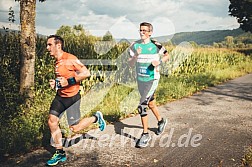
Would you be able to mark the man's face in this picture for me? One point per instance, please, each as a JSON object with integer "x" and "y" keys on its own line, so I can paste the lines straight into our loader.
{"x": 52, "y": 47}
{"x": 145, "y": 32}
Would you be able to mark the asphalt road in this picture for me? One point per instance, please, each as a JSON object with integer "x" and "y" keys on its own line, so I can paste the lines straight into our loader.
{"x": 209, "y": 129}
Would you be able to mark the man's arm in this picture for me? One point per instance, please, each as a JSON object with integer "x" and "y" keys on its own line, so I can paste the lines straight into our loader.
{"x": 132, "y": 60}
{"x": 165, "y": 58}
{"x": 82, "y": 74}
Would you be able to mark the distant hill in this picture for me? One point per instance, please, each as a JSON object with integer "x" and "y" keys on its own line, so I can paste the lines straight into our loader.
{"x": 200, "y": 37}
{"x": 203, "y": 37}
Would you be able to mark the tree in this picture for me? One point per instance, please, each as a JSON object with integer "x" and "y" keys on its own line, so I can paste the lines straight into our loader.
{"x": 242, "y": 10}
{"x": 28, "y": 46}
{"x": 229, "y": 41}
{"x": 64, "y": 31}
{"x": 78, "y": 29}
{"x": 107, "y": 37}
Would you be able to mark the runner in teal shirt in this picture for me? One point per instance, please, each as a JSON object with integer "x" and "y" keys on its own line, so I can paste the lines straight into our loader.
{"x": 147, "y": 55}
{"x": 149, "y": 52}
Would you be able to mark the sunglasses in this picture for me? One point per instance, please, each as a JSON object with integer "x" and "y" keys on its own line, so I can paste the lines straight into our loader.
{"x": 144, "y": 31}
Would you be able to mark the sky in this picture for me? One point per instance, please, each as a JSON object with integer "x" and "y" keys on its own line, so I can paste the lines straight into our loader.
{"x": 122, "y": 17}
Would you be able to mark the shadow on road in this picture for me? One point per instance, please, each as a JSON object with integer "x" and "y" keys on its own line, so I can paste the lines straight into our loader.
{"x": 119, "y": 129}
{"x": 76, "y": 139}
{"x": 233, "y": 90}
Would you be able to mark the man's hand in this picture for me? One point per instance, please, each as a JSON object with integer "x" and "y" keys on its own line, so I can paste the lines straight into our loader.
{"x": 133, "y": 59}
{"x": 62, "y": 81}
{"x": 139, "y": 51}
{"x": 52, "y": 83}
{"x": 155, "y": 63}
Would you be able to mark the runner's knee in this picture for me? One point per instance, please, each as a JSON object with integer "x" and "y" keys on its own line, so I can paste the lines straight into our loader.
{"x": 53, "y": 121}
{"x": 142, "y": 110}
{"x": 151, "y": 104}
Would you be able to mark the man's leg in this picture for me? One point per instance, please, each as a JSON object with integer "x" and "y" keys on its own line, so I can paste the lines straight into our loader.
{"x": 145, "y": 137}
{"x": 73, "y": 115}
{"x": 145, "y": 123}
{"x": 56, "y": 109}
{"x": 146, "y": 90}
{"x": 152, "y": 105}
{"x": 73, "y": 112}
{"x": 162, "y": 122}
{"x": 85, "y": 122}
{"x": 56, "y": 134}
{"x": 59, "y": 155}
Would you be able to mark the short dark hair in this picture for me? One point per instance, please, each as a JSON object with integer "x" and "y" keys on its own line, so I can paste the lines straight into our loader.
{"x": 57, "y": 39}
{"x": 149, "y": 25}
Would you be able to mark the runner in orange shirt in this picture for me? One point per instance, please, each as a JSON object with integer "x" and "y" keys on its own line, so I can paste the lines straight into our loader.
{"x": 69, "y": 72}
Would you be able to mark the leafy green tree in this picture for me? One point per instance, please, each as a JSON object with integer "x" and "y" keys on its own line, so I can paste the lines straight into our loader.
{"x": 78, "y": 29}
{"x": 216, "y": 45}
{"x": 229, "y": 41}
{"x": 64, "y": 31}
{"x": 241, "y": 45}
{"x": 107, "y": 37}
{"x": 242, "y": 10}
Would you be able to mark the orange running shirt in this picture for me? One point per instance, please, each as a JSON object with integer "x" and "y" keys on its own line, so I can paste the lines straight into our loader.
{"x": 67, "y": 67}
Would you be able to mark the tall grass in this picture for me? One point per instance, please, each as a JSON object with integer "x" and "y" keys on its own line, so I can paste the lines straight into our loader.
{"x": 204, "y": 68}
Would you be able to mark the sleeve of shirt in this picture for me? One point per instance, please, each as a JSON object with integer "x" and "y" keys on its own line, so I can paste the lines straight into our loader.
{"x": 77, "y": 64}
{"x": 162, "y": 49}
{"x": 132, "y": 50}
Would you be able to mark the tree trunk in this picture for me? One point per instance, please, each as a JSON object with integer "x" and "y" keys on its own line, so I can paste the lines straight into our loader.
{"x": 28, "y": 46}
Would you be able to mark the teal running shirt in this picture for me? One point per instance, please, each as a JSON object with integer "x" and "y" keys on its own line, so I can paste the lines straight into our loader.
{"x": 150, "y": 51}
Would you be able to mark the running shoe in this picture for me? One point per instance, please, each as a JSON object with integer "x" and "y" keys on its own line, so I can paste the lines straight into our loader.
{"x": 161, "y": 126}
{"x": 56, "y": 158}
{"x": 101, "y": 122}
{"x": 144, "y": 140}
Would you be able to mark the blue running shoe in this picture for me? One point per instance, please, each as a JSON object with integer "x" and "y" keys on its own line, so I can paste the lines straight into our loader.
{"x": 56, "y": 158}
{"x": 101, "y": 122}
{"x": 143, "y": 141}
{"x": 161, "y": 126}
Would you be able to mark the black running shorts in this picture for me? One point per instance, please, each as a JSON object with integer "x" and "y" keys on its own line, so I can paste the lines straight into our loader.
{"x": 69, "y": 104}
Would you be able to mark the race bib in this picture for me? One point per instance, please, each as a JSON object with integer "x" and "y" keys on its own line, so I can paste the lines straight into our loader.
{"x": 144, "y": 70}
